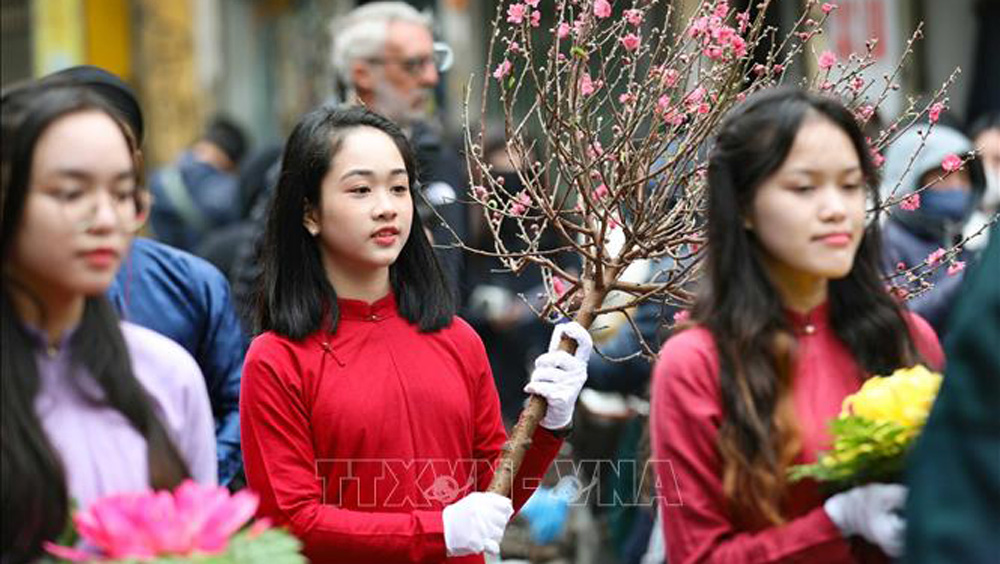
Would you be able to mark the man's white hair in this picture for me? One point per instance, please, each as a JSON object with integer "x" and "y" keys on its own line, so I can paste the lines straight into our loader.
{"x": 362, "y": 33}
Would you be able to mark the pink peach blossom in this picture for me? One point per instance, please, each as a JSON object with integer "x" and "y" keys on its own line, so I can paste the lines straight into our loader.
{"x": 743, "y": 21}
{"x": 562, "y": 32}
{"x": 935, "y": 257}
{"x": 516, "y": 13}
{"x": 634, "y": 17}
{"x": 739, "y": 46}
{"x": 682, "y": 316}
{"x": 670, "y": 77}
{"x": 827, "y": 59}
{"x": 630, "y": 42}
{"x": 532, "y": 3}
{"x": 587, "y": 86}
{"x": 828, "y": 7}
{"x": 951, "y": 163}
{"x": 502, "y": 70}
{"x": 956, "y": 267}
{"x": 536, "y": 18}
{"x": 559, "y": 285}
{"x": 911, "y": 202}
{"x": 602, "y": 8}
{"x": 934, "y": 113}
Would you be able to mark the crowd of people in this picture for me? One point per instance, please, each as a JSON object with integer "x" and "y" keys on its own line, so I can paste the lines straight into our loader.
{"x": 298, "y": 322}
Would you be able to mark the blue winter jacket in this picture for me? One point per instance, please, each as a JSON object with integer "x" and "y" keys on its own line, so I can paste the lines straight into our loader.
{"x": 187, "y": 299}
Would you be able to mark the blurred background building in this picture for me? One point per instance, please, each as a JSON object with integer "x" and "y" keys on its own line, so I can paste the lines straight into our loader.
{"x": 264, "y": 62}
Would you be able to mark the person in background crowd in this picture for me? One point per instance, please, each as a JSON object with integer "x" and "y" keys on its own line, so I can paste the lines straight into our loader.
{"x": 370, "y": 420}
{"x": 176, "y": 294}
{"x": 199, "y": 192}
{"x": 91, "y": 406}
{"x": 793, "y": 318}
{"x": 384, "y": 56}
{"x": 985, "y": 135}
{"x": 919, "y": 227}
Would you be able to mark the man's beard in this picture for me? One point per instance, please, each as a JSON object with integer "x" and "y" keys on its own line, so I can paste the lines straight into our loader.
{"x": 402, "y": 109}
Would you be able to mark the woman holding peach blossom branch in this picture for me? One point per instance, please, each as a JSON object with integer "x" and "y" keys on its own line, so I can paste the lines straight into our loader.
{"x": 370, "y": 420}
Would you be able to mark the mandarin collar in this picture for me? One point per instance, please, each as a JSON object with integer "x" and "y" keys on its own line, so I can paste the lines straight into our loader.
{"x": 40, "y": 339}
{"x": 811, "y": 322}
{"x": 360, "y": 310}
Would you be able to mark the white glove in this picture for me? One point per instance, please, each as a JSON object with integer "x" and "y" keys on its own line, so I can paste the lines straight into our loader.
{"x": 871, "y": 512}
{"x": 558, "y": 376}
{"x": 476, "y": 523}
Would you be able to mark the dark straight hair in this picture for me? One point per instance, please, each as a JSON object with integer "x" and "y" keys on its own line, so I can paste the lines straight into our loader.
{"x": 34, "y": 491}
{"x": 293, "y": 292}
{"x": 758, "y": 437}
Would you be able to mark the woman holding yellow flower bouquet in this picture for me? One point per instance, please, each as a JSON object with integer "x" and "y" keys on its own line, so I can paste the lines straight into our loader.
{"x": 794, "y": 319}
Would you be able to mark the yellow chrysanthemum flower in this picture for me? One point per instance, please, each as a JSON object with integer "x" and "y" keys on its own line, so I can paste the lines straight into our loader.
{"x": 905, "y": 397}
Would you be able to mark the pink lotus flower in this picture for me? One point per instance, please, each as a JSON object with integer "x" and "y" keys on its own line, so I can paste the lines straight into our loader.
{"x": 911, "y": 202}
{"x": 828, "y": 7}
{"x": 194, "y": 519}
{"x": 935, "y": 257}
{"x": 951, "y": 163}
{"x": 934, "y": 113}
{"x": 634, "y": 17}
{"x": 827, "y": 59}
{"x": 630, "y": 42}
{"x": 516, "y": 13}
{"x": 956, "y": 267}
{"x": 602, "y": 8}
{"x": 562, "y": 32}
{"x": 502, "y": 70}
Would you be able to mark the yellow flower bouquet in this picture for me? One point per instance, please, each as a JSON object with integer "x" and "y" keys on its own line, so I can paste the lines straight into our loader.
{"x": 876, "y": 428}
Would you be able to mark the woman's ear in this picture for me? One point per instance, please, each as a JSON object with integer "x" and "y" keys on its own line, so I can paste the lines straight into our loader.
{"x": 310, "y": 219}
{"x": 144, "y": 204}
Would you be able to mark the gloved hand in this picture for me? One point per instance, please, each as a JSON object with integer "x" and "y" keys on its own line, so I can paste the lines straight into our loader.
{"x": 871, "y": 512}
{"x": 476, "y": 523}
{"x": 558, "y": 376}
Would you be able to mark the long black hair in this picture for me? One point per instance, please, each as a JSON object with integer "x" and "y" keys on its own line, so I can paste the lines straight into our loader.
{"x": 34, "y": 491}
{"x": 744, "y": 311}
{"x": 294, "y": 293}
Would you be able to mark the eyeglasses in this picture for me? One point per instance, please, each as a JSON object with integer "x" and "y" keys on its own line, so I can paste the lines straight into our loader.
{"x": 82, "y": 208}
{"x": 442, "y": 58}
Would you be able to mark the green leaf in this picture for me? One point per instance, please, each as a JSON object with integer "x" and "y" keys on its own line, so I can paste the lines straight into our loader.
{"x": 578, "y": 51}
